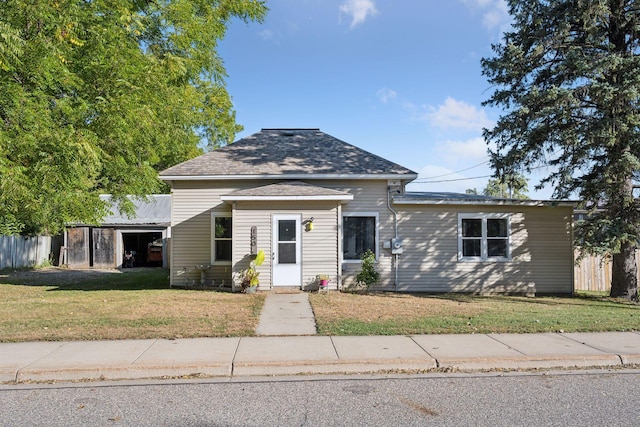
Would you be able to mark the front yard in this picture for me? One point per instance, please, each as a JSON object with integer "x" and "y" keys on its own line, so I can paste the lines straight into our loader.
{"x": 56, "y": 304}
{"x": 403, "y": 314}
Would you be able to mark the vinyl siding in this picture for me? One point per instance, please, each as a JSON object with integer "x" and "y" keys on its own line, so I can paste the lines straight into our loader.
{"x": 541, "y": 241}
{"x": 192, "y": 205}
{"x": 319, "y": 246}
{"x": 369, "y": 196}
{"x": 541, "y": 252}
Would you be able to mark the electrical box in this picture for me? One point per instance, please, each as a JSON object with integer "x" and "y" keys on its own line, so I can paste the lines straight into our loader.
{"x": 396, "y": 246}
{"x": 386, "y": 244}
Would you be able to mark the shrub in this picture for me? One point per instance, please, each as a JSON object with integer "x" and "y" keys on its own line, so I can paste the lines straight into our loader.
{"x": 368, "y": 275}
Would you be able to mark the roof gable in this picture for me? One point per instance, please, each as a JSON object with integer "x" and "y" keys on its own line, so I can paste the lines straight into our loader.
{"x": 286, "y": 152}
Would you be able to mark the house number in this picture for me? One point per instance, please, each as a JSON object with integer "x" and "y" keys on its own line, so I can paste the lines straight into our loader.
{"x": 254, "y": 240}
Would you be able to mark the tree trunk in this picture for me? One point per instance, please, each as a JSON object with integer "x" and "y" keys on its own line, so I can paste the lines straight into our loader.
{"x": 624, "y": 280}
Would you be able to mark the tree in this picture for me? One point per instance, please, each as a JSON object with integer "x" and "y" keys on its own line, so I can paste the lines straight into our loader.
{"x": 96, "y": 96}
{"x": 511, "y": 187}
{"x": 568, "y": 78}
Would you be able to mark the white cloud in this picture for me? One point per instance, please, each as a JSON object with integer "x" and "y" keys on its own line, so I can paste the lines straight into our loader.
{"x": 454, "y": 114}
{"x": 495, "y": 13}
{"x": 473, "y": 150}
{"x": 266, "y": 34}
{"x": 358, "y": 10}
{"x": 385, "y": 95}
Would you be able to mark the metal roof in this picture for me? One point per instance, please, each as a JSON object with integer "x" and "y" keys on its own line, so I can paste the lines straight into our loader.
{"x": 155, "y": 211}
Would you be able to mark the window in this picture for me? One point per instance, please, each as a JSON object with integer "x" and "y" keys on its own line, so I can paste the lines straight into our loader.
{"x": 221, "y": 242}
{"x": 483, "y": 237}
{"x": 359, "y": 234}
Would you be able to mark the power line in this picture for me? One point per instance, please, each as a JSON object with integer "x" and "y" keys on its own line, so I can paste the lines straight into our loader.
{"x": 451, "y": 180}
{"x": 455, "y": 172}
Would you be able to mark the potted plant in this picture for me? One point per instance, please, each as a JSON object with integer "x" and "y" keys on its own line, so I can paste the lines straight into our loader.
{"x": 249, "y": 278}
{"x": 323, "y": 280}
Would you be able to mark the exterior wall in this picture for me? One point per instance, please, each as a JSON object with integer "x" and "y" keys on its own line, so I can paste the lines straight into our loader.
{"x": 191, "y": 207}
{"x": 319, "y": 246}
{"x": 369, "y": 196}
{"x": 193, "y": 203}
{"x": 541, "y": 252}
{"x": 541, "y": 241}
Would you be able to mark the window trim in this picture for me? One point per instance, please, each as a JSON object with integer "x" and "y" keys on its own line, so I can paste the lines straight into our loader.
{"x": 376, "y": 236}
{"x": 214, "y": 239}
{"x": 484, "y": 238}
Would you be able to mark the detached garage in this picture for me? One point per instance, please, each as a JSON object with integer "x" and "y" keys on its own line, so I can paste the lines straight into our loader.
{"x": 120, "y": 242}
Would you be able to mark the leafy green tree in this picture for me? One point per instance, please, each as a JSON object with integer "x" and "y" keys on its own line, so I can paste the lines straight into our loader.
{"x": 96, "y": 96}
{"x": 511, "y": 187}
{"x": 568, "y": 78}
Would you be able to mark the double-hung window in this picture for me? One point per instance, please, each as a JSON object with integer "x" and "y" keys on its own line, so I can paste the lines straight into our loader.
{"x": 221, "y": 238}
{"x": 484, "y": 237}
{"x": 359, "y": 234}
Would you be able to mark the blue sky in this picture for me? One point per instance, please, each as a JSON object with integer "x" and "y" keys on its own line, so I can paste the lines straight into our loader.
{"x": 401, "y": 79}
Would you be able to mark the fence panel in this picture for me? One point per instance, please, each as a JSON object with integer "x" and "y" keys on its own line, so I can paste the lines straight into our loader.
{"x": 593, "y": 273}
{"x": 20, "y": 251}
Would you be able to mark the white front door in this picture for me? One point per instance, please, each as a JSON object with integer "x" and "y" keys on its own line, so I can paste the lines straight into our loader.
{"x": 286, "y": 250}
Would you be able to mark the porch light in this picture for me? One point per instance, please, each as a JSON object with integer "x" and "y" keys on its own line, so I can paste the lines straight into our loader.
{"x": 310, "y": 224}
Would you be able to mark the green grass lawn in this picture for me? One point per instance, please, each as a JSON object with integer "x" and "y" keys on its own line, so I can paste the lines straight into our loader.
{"x": 58, "y": 305}
{"x": 392, "y": 314}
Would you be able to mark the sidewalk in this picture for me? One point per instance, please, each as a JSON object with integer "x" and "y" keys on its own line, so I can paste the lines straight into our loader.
{"x": 287, "y": 344}
{"x": 292, "y": 355}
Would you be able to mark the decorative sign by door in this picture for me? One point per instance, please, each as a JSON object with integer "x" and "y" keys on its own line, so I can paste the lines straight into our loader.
{"x": 254, "y": 240}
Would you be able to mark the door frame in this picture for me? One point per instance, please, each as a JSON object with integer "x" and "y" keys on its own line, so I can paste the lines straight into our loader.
{"x": 293, "y": 271}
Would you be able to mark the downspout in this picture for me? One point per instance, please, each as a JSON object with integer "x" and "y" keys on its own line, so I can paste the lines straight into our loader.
{"x": 395, "y": 231}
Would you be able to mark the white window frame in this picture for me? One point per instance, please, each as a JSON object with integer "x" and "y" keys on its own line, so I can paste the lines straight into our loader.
{"x": 213, "y": 237}
{"x": 375, "y": 215}
{"x": 484, "y": 238}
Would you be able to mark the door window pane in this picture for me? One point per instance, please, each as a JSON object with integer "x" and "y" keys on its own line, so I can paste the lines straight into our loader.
{"x": 286, "y": 253}
{"x": 287, "y": 230}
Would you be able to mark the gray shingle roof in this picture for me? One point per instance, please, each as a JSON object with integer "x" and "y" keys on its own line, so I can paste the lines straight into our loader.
{"x": 277, "y": 152}
{"x": 291, "y": 190}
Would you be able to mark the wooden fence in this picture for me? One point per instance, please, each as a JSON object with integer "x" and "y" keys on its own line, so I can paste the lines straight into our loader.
{"x": 593, "y": 273}
{"x": 21, "y": 251}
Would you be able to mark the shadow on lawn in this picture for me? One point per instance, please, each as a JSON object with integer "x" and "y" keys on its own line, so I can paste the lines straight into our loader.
{"x": 61, "y": 279}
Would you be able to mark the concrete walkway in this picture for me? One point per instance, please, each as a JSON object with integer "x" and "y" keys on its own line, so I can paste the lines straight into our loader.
{"x": 292, "y": 355}
{"x": 286, "y": 314}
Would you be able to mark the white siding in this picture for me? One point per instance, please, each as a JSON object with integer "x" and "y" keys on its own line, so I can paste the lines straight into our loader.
{"x": 541, "y": 240}
{"x": 541, "y": 245}
{"x": 319, "y": 246}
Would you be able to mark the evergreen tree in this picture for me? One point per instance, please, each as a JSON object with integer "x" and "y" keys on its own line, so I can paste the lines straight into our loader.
{"x": 568, "y": 78}
{"x": 97, "y": 96}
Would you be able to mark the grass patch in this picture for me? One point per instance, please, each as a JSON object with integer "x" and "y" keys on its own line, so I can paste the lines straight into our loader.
{"x": 57, "y": 304}
{"x": 403, "y": 314}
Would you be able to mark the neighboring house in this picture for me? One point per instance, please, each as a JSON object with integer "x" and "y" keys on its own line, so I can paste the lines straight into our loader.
{"x": 104, "y": 246}
{"x": 314, "y": 204}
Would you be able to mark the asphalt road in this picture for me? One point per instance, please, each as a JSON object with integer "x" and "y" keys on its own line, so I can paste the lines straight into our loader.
{"x": 580, "y": 398}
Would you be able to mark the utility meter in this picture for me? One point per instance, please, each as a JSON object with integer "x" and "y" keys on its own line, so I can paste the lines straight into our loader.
{"x": 396, "y": 246}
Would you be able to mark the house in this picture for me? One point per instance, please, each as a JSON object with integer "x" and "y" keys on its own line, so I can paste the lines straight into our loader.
{"x": 314, "y": 204}
{"x": 144, "y": 236}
